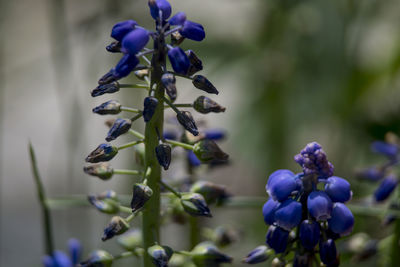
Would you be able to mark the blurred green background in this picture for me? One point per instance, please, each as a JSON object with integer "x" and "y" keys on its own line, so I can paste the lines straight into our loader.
{"x": 289, "y": 72}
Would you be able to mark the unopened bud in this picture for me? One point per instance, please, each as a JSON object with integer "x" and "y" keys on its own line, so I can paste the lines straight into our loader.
{"x": 168, "y": 80}
{"x": 108, "y": 194}
{"x": 110, "y": 107}
{"x": 141, "y": 194}
{"x": 114, "y": 47}
{"x": 212, "y": 193}
{"x": 202, "y": 83}
{"x": 117, "y": 226}
{"x": 195, "y": 204}
{"x": 119, "y": 127}
{"x": 176, "y": 39}
{"x": 98, "y": 258}
{"x": 131, "y": 239}
{"x": 206, "y": 105}
{"x": 257, "y": 255}
{"x": 187, "y": 121}
{"x": 105, "y": 88}
{"x": 195, "y": 63}
{"x": 150, "y": 105}
{"x": 221, "y": 236}
{"x": 109, "y": 206}
{"x": 163, "y": 154}
{"x": 107, "y": 78}
{"x": 140, "y": 74}
{"x": 160, "y": 255}
{"x": 207, "y": 254}
{"x": 207, "y": 150}
{"x": 104, "y": 152}
{"x": 102, "y": 170}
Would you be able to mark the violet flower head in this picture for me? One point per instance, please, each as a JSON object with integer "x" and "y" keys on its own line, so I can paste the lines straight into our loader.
{"x": 313, "y": 160}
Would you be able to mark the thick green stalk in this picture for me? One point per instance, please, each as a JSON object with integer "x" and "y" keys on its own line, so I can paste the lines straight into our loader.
{"x": 395, "y": 248}
{"x": 151, "y": 213}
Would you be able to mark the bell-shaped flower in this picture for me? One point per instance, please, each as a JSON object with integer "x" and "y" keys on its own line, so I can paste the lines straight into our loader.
{"x": 178, "y": 19}
{"x": 281, "y": 184}
{"x": 338, "y": 189}
{"x": 125, "y": 66}
{"x": 160, "y": 5}
{"x": 288, "y": 214}
{"x": 386, "y": 187}
{"x": 309, "y": 234}
{"x": 319, "y": 205}
{"x": 327, "y": 252}
{"x": 342, "y": 220}
{"x": 386, "y": 149}
{"x": 122, "y": 28}
{"x": 268, "y": 211}
{"x": 135, "y": 41}
{"x": 277, "y": 238}
{"x": 193, "y": 31}
{"x": 179, "y": 60}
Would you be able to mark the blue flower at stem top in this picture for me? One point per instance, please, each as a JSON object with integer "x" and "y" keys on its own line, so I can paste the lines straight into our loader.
{"x": 301, "y": 213}
{"x": 61, "y": 259}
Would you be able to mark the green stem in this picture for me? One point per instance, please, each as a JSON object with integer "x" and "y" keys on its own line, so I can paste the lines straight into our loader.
{"x": 127, "y": 172}
{"x": 48, "y": 233}
{"x": 125, "y": 254}
{"x": 125, "y": 209}
{"x": 173, "y": 191}
{"x": 171, "y": 105}
{"x": 134, "y": 143}
{"x": 177, "y": 143}
{"x": 136, "y": 133}
{"x": 395, "y": 247}
{"x": 180, "y": 106}
{"x": 141, "y": 86}
{"x": 151, "y": 211}
{"x": 194, "y": 231}
{"x": 133, "y": 110}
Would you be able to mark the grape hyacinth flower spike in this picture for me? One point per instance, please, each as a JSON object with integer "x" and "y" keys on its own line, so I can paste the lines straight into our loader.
{"x": 301, "y": 214}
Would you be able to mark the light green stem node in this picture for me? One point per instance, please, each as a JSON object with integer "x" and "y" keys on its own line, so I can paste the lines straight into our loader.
{"x": 142, "y": 86}
{"x": 169, "y": 188}
{"x": 133, "y": 110}
{"x": 134, "y": 143}
{"x": 136, "y": 134}
{"x": 177, "y": 143}
{"x": 180, "y": 105}
{"x": 127, "y": 172}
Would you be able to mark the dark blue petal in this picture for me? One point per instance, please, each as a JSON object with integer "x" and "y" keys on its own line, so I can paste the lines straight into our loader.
{"x": 149, "y": 107}
{"x": 319, "y": 205}
{"x": 387, "y": 149}
{"x": 268, "y": 211}
{"x": 125, "y": 66}
{"x": 135, "y": 41}
{"x": 75, "y": 250}
{"x": 338, "y": 189}
{"x": 309, "y": 234}
{"x": 288, "y": 214}
{"x": 214, "y": 134}
{"x": 193, "y": 160}
{"x": 157, "y": 5}
{"x": 61, "y": 259}
{"x": 277, "y": 238}
{"x": 170, "y": 135}
{"x": 122, "y": 28}
{"x": 385, "y": 188}
{"x": 327, "y": 251}
{"x": 342, "y": 220}
{"x": 48, "y": 261}
{"x": 257, "y": 255}
{"x": 178, "y": 19}
{"x": 193, "y": 31}
{"x": 119, "y": 127}
{"x": 281, "y": 184}
{"x": 179, "y": 60}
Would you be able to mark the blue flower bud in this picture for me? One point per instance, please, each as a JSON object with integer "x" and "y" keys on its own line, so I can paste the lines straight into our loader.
{"x": 193, "y": 31}
{"x": 207, "y": 150}
{"x": 163, "y": 154}
{"x": 107, "y": 88}
{"x": 109, "y": 206}
{"x": 342, "y": 220}
{"x": 268, "y": 211}
{"x": 102, "y": 170}
{"x": 328, "y": 252}
{"x": 170, "y": 134}
{"x": 117, "y": 226}
{"x": 122, "y": 28}
{"x": 338, "y": 189}
{"x": 195, "y": 63}
{"x": 114, "y": 47}
{"x": 202, "y": 83}
{"x": 60, "y": 259}
{"x": 195, "y": 204}
{"x": 309, "y": 234}
{"x": 150, "y": 105}
{"x": 135, "y": 41}
{"x": 168, "y": 80}
{"x": 281, "y": 184}
{"x": 160, "y": 5}
{"x": 160, "y": 255}
{"x": 212, "y": 193}
{"x": 75, "y": 250}
{"x": 141, "y": 194}
{"x": 179, "y": 60}
{"x": 125, "y": 66}
{"x": 186, "y": 120}
{"x": 131, "y": 239}
{"x": 192, "y": 158}
{"x": 288, "y": 214}
{"x": 98, "y": 258}
{"x": 319, "y": 205}
{"x": 385, "y": 188}
{"x": 372, "y": 174}
{"x": 207, "y": 254}
{"x": 178, "y": 19}
{"x": 206, "y": 105}
{"x": 277, "y": 238}
{"x": 257, "y": 255}
{"x": 313, "y": 160}
{"x": 119, "y": 127}
{"x": 214, "y": 134}
{"x": 386, "y": 149}
{"x": 110, "y": 107}
{"x": 104, "y": 152}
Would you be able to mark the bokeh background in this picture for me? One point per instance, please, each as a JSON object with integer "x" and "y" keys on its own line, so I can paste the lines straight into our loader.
{"x": 289, "y": 72}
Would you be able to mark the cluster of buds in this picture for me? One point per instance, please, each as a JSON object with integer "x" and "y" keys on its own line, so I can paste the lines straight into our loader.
{"x": 303, "y": 214}
{"x": 383, "y": 173}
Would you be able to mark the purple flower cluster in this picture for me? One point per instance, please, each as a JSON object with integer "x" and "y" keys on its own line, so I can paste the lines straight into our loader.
{"x": 383, "y": 173}
{"x": 311, "y": 201}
